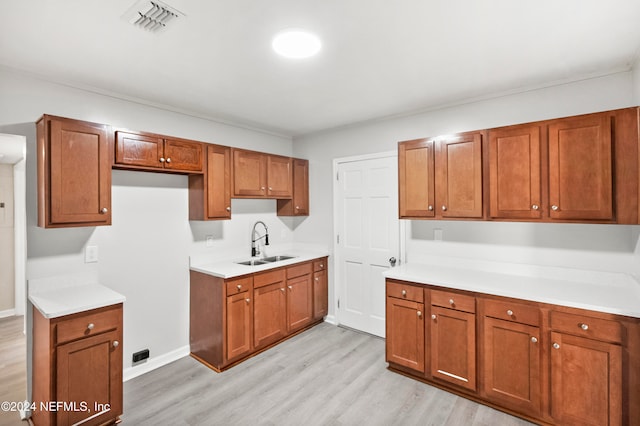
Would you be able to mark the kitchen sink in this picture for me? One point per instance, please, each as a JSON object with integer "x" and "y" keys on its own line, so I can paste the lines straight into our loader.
{"x": 277, "y": 258}
{"x": 252, "y": 262}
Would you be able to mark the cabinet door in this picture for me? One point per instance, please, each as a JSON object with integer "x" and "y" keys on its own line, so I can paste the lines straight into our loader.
{"x": 405, "y": 333}
{"x": 416, "y": 183}
{"x": 183, "y": 155}
{"x": 511, "y": 365}
{"x": 299, "y": 204}
{"x": 514, "y": 165}
{"x": 453, "y": 347}
{"x": 90, "y": 371}
{"x": 269, "y": 314}
{"x": 134, "y": 149}
{"x": 249, "y": 174}
{"x": 459, "y": 176}
{"x": 218, "y": 176}
{"x": 586, "y": 381}
{"x": 238, "y": 330}
{"x": 320, "y": 294}
{"x": 279, "y": 177}
{"x": 75, "y": 183}
{"x": 580, "y": 168}
{"x": 299, "y": 302}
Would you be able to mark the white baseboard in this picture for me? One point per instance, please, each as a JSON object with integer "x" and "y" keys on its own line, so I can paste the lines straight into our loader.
{"x": 331, "y": 319}
{"x": 153, "y": 363}
{"x": 7, "y": 313}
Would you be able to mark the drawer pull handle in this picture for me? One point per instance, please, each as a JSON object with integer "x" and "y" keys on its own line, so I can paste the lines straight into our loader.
{"x": 430, "y": 208}
{"x": 584, "y": 326}
{"x": 290, "y": 287}
{"x": 444, "y": 208}
{"x": 451, "y": 302}
{"x": 116, "y": 343}
{"x": 90, "y": 326}
{"x": 535, "y": 207}
{"x": 509, "y": 312}
{"x": 168, "y": 160}
{"x": 162, "y": 160}
{"x": 321, "y": 266}
{"x": 404, "y": 292}
{"x": 282, "y": 289}
{"x": 556, "y": 346}
{"x": 228, "y": 209}
{"x": 419, "y": 314}
{"x": 534, "y": 339}
{"x": 104, "y": 210}
{"x": 433, "y": 316}
{"x": 317, "y": 279}
{"x": 239, "y": 286}
{"x": 248, "y": 300}
{"x": 554, "y": 208}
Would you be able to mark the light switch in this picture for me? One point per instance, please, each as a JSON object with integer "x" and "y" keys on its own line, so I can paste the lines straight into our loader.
{"x": 91, "y": 254}
{"x": 209, "y": 241}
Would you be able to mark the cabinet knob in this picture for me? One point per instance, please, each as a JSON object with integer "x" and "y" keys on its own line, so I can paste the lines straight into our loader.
{"x": 297, "y": 207}
{"x": 228, "y": 209}
{"x": 554, "y": 208}
{"x": 419, "y": 314}
{"x": 535, "y": 207}
{"x": 317, "y": 279}
{"x": 556, "y": 346}
{"x": 322, "y": 266}
{"x": 290, "y": 287}
{"x": 433, "y": 316}
{"x": 509, "y": 312}
{"x": 452, "y": 302}
{"x": 168, "y": 160}
{"x": 162, "y": 160}
{"x": 270, "y": 189}
{"x": 104, "y": 210}
{"x": 444, "y": 208}
{"x": 584, "y": 326}
{"x": 404, "y": 292}
{"x": 282, "y": 289}
{"x": 262, "y": 188}
{"x": 247, "y": 300}
{"x": 534, "y": 339}
{"x": 430, "y": 208}
{"x": 239, "y": 286}
{"x": 90, "y": 326}
{"x": 116, "y": 343}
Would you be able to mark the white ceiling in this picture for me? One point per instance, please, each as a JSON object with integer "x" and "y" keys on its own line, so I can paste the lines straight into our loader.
{"x": 379, "y": 57}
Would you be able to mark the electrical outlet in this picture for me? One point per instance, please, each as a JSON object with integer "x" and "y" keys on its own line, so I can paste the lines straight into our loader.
{"x": 437, "y": 234}
{"x": 91, "y": 254}
{"x": 140, "y": 356}
{"x": 208, "y": 241}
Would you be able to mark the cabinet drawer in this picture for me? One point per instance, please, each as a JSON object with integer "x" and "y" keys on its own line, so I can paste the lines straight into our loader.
{"x": 452, "y": 300}
{"x": 586, "y": 326}
{"x": 88, "y": 325}
{"x": 511, "y": 311}
{"x": 266, "y": 278}
{"x": 320, "y": 265}
{"x": 299, "y": 270}
{"x": 238, "y": 286}
{"x": 405, "y": 291}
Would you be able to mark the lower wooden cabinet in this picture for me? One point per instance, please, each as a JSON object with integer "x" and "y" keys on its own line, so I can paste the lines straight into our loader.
{"x": 545, "y": 363}
{"x": 320, "y": 289}
{"x": 232, "y": 319}
{"x": 77, "y": 361}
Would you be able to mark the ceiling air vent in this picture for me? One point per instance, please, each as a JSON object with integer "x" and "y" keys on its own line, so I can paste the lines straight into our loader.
{"x": 151, "y": 15}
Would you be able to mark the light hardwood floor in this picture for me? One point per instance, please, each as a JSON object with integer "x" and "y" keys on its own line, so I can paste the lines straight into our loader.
{"x": 325, "y": 376}
{"x": 13, "y": 367}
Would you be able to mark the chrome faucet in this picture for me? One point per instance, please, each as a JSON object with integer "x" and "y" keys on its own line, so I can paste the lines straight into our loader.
{"x": 255, "y": 251}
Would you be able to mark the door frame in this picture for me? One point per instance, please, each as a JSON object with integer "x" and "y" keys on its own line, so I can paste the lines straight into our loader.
{"x": 337, "y": 285}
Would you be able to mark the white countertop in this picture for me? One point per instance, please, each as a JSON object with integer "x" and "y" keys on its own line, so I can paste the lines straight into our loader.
{"x": 229, "y": 268}
{"x": 615, "y": 293}
{"x": 66, "y": 295}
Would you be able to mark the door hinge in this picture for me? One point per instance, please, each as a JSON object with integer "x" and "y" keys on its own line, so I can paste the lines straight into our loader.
{"x": 338, "y": 239}
{"x": 338, "y": 303}
{"x": 337, "y": 175}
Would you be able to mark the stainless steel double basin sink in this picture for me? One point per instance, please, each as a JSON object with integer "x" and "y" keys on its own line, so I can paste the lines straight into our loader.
{"x": 265, "y": 260}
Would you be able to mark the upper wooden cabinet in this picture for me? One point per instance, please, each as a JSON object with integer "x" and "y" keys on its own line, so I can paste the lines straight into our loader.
{"x": 210, "y": 193}
{"x": 147, "y": 151}
{"x": 515, "y": 190}
{"x": 441, "y": 178}
{"x": 299, "y": 204}
{"x": 259, "y": 175}
{"x": 74, "y": 173}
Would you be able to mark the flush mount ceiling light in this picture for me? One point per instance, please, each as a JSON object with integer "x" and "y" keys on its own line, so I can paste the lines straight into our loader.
{"x": 151, "y": 15}
{"x": 296, "y": 44}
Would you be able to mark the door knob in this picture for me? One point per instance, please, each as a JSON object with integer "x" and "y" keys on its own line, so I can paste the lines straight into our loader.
{"x": 392, "y": 261}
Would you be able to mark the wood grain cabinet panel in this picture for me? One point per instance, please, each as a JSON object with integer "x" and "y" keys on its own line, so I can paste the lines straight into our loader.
{"x": 320, "y": 289}
{"x": 416, "y": 178}
{"x": 74, "y": 173}
{"x": 405, "y": 331}
{"x": 259, "y": 175}
{"x": 586, "y": 381}
{"x": 580, "y": 168}
{"x": 210, "y": 193}
{"x": 299, "y": 302}
{"x": 239, "y": 319}
{"x": 299, "y": 204}
{"x": 269, "y": 314}
{"x": 151, "y": 152}
{"x": 515, "y": 190}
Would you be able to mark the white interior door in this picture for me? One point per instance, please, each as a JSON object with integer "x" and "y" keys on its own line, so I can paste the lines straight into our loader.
{"x": 366, "y": 197}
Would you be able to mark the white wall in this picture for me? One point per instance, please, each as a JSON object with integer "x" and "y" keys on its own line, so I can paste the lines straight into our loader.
{"x": 597, "y": 246}
{"x": 7, "y": 248}
{"x": 144, "y": 254}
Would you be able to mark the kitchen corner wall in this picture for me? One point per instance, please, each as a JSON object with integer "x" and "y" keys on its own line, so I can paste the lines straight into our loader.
{"x": 605, "y": 247}
{"x": 145, "y": 253}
